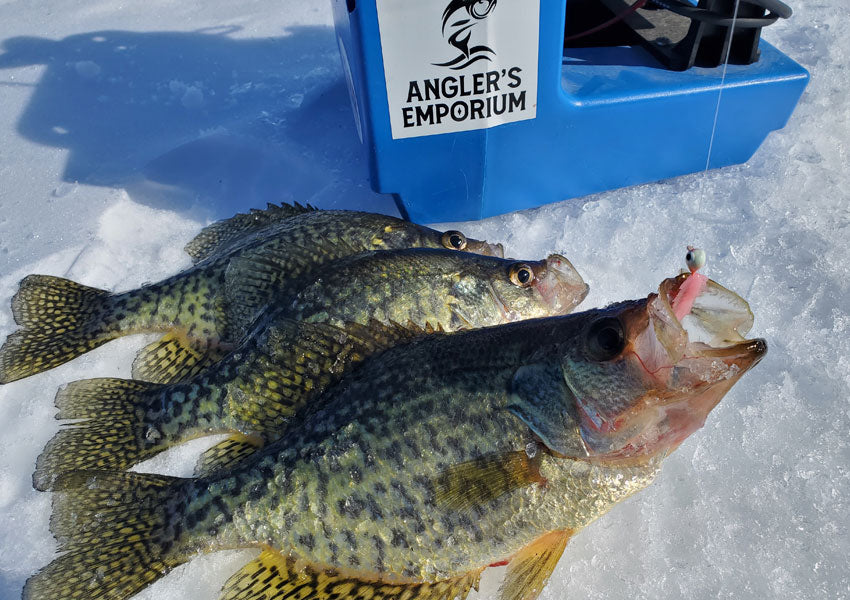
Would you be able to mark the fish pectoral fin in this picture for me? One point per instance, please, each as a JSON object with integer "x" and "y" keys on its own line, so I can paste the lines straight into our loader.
{"x": 271, "y": 575}
{"x": 293, "y": 362}
{"x": 224, "y": 455}
{"x": 483, "y": 479}
{"x": 221, "y": 235}
{"x": 175, "y": 357}
{"x": 541, "y": 399}
{"x": 530, "y": 568}
{"x": 254, "y": 278}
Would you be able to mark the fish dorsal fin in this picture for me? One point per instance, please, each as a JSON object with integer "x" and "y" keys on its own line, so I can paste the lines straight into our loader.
{"x": 530, "y": 568}
{"x": 541, "y": 399}
{"x": 483, "y": 479}
{"x": 224, "y": 455}
{"x": 223, "y": 234}
{"x": 253, "y": 279}
{"x": 175, "y": 357}
{"x": 273, "y": 576}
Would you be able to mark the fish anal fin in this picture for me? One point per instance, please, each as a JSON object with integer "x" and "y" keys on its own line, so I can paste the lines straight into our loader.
{"x": 222, "y": 235}
{"x": 227, "y": 453}
{"x": 483, "y": 479}
{"x": 272, "y": 576}
{"x": 175, "y": 357}
{"x": 530, "y": 568}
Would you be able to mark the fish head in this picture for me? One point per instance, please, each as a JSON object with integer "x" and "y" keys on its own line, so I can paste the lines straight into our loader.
{"x": 641, "y": 380}
{"x": 404, "y": 234}
{"x": 512, "y": 290}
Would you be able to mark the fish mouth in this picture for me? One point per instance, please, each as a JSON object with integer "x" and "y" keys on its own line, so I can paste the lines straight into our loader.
{"x": 559, "y": 284}
{"x": 687, "y": 363}
{"x": 558, "y": 287}
{"x": 485, "y": 248}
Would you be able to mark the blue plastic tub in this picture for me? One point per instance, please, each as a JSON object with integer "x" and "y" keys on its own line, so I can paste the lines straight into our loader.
{"x": 578, "y": 121}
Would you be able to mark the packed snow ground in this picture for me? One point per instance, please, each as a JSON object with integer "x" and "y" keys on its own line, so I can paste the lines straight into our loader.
{"x": 125, "y": 128}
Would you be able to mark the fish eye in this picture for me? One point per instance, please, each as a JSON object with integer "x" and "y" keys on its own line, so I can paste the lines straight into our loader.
{"x": 454, "y": 240}
{"x": 522, "y": 275}
{"x": 605, "y": 339}
{"x": 481, "y": 8}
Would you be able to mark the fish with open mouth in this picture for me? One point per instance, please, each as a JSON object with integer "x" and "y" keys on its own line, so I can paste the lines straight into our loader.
{"x": 298, "y": 350}
{"x": 61, "y": 319}
{"x": 429, "y": 463}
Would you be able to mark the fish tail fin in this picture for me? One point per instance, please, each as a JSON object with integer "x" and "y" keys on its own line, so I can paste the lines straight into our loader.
{"x": 60, "y": 320}
{"x": 109, "y": 433}
{"x": 119, "y": 533}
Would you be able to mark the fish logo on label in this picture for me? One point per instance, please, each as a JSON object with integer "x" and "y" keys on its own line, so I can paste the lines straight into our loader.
{"x": 458, "y": 65}
{"x": 460, "y": 30}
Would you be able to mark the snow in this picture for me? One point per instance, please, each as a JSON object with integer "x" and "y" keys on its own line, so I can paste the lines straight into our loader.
{"x": 126, "y": 127}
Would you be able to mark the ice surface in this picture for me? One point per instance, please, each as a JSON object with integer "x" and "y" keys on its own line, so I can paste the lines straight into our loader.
{"x": 125, "y": 127}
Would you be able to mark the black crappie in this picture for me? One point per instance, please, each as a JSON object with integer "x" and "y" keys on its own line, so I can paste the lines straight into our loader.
{"x": 61, "y": 319}
{"x": 433, "y": 461}
{"x": 257, "y": 388}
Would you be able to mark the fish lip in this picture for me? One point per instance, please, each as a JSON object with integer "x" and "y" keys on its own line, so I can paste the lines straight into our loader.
{"x": 727, "y": 344}
{"x": 561, "y": 286}
{"x": 747, "y": 353}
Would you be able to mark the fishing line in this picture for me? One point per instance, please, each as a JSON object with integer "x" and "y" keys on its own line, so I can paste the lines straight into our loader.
{"x": 722, "y": 82}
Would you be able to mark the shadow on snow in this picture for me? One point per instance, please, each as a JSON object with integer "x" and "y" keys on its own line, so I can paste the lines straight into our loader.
{"x": 201, "y": 122}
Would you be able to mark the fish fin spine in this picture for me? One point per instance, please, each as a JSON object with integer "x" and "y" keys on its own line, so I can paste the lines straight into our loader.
{"x": 294, "y": 363}
{"x": 60, "y": 320}
{"x": 223, "y": 234}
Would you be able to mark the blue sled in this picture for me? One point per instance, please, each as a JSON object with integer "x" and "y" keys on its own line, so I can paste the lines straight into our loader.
{"x": 606, "y": 118}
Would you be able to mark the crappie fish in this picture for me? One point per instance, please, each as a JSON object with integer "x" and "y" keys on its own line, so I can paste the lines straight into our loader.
{"x": 428, "y": 464}
{"x": 61, "y": 319}
{"x": 347, "y": 314}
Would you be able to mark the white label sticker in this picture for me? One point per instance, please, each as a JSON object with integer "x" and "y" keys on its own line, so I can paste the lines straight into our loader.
{"x": 457, "y": 65}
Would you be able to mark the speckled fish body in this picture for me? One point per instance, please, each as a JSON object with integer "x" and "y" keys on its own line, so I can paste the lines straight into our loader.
{"x": 445, "y": 289}
{"x": 357, "y": 480}
{"x": 432, "y": 461}
{"x": 299, "y": 349}
{"x": 61, "y": 319}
